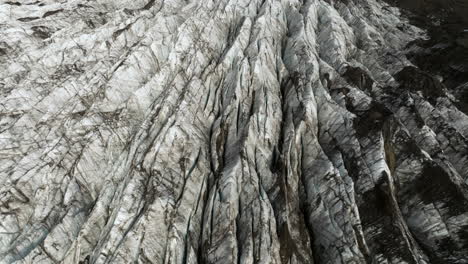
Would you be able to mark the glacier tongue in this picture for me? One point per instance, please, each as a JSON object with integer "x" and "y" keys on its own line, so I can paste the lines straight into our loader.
{"x": 247, "y": 131}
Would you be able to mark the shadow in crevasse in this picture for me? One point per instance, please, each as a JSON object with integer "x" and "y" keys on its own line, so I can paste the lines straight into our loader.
{"x": 445, "y": 53}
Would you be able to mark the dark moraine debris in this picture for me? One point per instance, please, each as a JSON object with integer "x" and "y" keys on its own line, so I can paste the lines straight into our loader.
{"x": 462, "y": 97}
{"x": 4, "y": 47}
{"x": 445, "y": 52}
{"x": 233, "y": 132}
{"x": 414, "y": 79}
{"x": 27, "y": 19}
{"x": 53, "y": 12}
{"x": 41, "y": 32}
{"x": 13, "y": 3}
{"x": 359, "y": 77}
{"x": 372, "y": 119}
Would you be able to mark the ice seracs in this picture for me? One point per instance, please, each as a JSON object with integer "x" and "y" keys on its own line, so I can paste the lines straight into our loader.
{"x": 251, "y": 131}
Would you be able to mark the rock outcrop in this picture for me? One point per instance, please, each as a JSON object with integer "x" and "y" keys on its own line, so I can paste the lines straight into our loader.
{"x": 248, "y": 131}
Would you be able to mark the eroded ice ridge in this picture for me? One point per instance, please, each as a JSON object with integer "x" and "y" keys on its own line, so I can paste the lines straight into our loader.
{"x": 249, "y": 131}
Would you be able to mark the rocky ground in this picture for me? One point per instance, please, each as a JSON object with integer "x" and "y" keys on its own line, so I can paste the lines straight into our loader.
{"x": 445, "y": 52}
{"x": 232, "y": 131}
